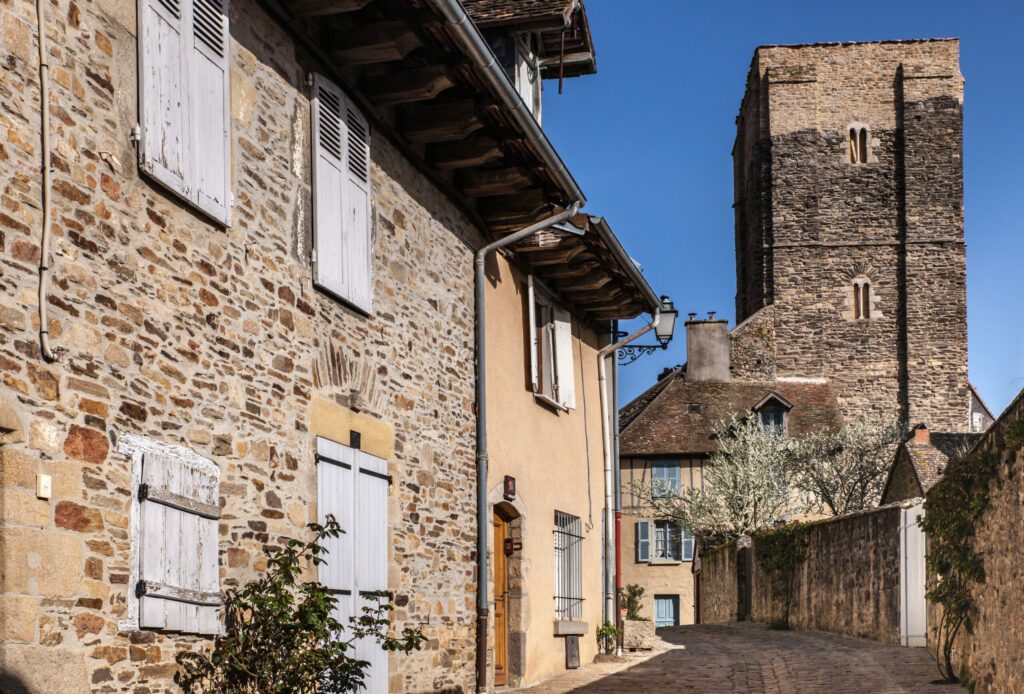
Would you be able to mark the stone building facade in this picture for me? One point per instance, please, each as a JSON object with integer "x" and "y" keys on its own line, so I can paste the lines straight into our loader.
{"x": 175, "y": 330}
{"x": 849, "y": 224}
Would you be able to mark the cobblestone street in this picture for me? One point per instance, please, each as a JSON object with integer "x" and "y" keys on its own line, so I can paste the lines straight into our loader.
{"x": 750, "y": 658}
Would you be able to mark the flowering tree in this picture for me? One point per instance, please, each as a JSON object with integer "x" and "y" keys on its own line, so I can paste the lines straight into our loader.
{"x": 747, "y": 486}
{"x": 844, "y": 469}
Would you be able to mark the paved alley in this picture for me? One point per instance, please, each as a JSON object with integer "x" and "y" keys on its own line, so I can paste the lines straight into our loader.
{"x": 751, "y": 658}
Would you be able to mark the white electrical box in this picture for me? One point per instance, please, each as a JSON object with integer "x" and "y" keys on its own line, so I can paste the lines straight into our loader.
{"x": 44, "y": 486}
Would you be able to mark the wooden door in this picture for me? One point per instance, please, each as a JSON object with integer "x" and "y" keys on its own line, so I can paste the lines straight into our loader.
{"x": 500, "y": 602}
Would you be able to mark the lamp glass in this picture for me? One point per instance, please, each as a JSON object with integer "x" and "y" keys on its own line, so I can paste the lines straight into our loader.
{"x": 667, "y": 322}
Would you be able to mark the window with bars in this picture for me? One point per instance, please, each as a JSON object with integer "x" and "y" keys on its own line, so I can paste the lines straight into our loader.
{"x": 568, "y": 567}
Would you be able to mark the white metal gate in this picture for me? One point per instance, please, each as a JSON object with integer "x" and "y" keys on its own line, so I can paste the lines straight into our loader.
{"x": 913, "y": 606}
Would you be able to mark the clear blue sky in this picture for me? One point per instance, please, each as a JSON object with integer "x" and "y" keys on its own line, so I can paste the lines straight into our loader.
{"x": 649, "y": 138}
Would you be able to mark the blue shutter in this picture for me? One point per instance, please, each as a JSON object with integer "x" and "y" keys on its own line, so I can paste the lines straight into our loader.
{"x": 643, "y": 541}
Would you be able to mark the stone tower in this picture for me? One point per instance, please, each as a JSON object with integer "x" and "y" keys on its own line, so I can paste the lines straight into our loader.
{"x": 850, "y": 256}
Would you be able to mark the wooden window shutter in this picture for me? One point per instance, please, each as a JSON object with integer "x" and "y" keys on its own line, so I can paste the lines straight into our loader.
{"x": 372, "y": 558}
{"x": 341, "y": 196}
{"x": 209, "y": 73}
{"x": 179, "y": 579}
{"x": 353, "y": 486}
{"x": 531, "y": 299}
{"x": 566, "y": 378}
{"x": 164, "y": 94}
{"x": 643, "y": 541}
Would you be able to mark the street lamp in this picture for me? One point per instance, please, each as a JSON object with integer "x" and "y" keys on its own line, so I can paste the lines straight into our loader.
{"x": 663, "y": 331}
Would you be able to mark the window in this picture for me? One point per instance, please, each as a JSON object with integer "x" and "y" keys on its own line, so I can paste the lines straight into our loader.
{"x": 527, "y": 75}
{"x": 861, "y": 300}
{"x": 353, "y": 487}
{"x": 185, "y": 101}
{"x": 670, "y": 542}
{"x": 568, "y": 567}
{"x": 858, "y": 145}
{"x": 342, "y": 240}
{"x": 175, "y": 513}
{"x": 551, "y": 357}
{"x": 773, "y": 420}
{"x": 665, "y": 479}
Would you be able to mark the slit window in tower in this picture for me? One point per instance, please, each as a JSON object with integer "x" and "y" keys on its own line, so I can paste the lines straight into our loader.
{"x": 856, "y": 301}
{"x": 865, "y": 297}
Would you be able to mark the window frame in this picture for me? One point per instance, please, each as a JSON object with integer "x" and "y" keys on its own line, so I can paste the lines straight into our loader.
{"x": 671, "y": 489}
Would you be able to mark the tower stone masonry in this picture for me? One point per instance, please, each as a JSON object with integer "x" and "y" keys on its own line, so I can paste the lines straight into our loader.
{"x": 850, "y": 254}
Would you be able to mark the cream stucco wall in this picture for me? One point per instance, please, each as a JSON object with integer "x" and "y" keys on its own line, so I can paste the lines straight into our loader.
{"x": 657, "y": 578}
{"x": 556, "y": 458}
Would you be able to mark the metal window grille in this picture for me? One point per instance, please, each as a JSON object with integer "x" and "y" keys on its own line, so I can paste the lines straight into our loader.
{"x": 568, "y": 567}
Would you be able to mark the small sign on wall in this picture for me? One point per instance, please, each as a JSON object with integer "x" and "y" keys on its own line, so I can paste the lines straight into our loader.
{"x": 572, "y": 652}
{"x": 510, "y": 488}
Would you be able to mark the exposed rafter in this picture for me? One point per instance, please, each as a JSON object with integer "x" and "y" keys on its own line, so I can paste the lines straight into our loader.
{"x": 418, "y": 84}
{"x": 443, "y": 121}
{"x": 377, "y": 42}
{"x": 464, "y": 153}
{"x": 321, "y": 8}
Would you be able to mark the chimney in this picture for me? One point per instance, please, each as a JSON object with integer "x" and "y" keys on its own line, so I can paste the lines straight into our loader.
{"x": 922, "y": 435}
{"x": 707, "y": 350}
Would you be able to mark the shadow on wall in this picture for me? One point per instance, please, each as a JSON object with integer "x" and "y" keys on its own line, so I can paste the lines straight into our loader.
{"x": 11, "y": 683}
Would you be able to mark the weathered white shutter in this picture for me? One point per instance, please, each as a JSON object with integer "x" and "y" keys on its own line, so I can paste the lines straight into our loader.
{"x": 643, "y": 541}
{"x": 335, "y": 495}
{"x": 565, "y": 377}
{"x": 210, "y": 91}
{"x": 353, "y": 486}
{"x": 532, "y": 302}
{"x": 179, "y": 579}
{"x": 341, "y": 196}
{"x": 184, "y": 101}
{"x": 372, "y": 558}
{"x": 164, "y": 94}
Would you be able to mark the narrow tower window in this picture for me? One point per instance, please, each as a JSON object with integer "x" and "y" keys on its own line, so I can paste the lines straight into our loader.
{"x": 858, "y": 145}
{"x": 856, "y": 301}
{"x": 865, "y": 297}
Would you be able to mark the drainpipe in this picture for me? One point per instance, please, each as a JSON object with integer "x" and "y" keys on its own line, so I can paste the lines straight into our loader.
{"x": 482, "y": 523}
{"x": 617, "y": 476}
{"x": 44, "y": 241}
{"x": 610, "y": 529}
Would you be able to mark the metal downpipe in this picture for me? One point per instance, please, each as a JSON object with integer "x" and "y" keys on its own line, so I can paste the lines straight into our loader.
{"x": 480, "y": 280}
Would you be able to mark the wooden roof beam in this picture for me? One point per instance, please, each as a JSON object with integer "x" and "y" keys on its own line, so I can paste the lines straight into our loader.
{"x": 577, "y": 270}
{"x": 482, "y": 183}
{"x": 377, "y": 42}
{"x": 462, "y": 154}
{"x": 406, "y": 86}
{"x": 441, "y": 122}
{"x": 321, "y": 8}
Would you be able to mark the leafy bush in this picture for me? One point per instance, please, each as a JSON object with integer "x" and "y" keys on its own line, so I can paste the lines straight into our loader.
{"x": 280, "y": 636}
{"x": 631, "y": 596}
{"x": 607, "y": 637}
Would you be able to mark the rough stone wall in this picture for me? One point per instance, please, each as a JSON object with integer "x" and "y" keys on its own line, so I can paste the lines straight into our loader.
{"x": 810, "y": 223}
{"x": 718, "y": 589}
{"x": 849, "y": 583}
{"x": 214, "y": 339}
{"x": 752, "y": 347}
{"x": 991, "y": 653}
{"x": 903, "y": 483}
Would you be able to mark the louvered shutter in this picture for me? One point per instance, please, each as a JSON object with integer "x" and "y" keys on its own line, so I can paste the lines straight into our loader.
{"x": 210, "y": 91}
{"x": 643, "y": 541}
{"x": 531, "y": 298}
{"x": 335, "y": 495}
{"x": 341, "y": 197}
{"x": 372, "y": 558}
{"x": 566, "y": 378}
{"x": 179, "y": 580}
{"x": 164, "y": 94}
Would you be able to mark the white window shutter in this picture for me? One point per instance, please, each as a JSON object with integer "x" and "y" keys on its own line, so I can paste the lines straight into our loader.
{"x": 565, "y": 377}
{"x": 209, "y": 80}
{"x": 335, "y": 495}
{"x": 531, "y": 299}
{"x": 372, "y": 558}
{"x": 179, "y": 579}
{"x": 341, "y": 196}
{"x": 356, "y": 229}
{"x": 164, "y": 94}
{"x": 643, "y": 541}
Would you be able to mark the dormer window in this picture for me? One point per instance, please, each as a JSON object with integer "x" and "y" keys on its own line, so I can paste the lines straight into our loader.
{"x": 773, "y": 413}
{"x": 527, "y": 74}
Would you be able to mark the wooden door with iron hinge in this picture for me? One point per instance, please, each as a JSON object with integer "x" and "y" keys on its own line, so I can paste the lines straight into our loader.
{"x": 500, "y": 602}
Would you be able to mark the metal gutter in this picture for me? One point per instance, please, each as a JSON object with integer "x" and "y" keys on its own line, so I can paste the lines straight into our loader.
{"x": 466, "y": 34}
{"x": 482, "y": 520}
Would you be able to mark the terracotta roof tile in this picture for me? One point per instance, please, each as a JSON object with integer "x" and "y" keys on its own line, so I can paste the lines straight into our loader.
{"x": 930, "y": 459}
{"x": 661, "y": 421}
{"x": 495, "y": 12}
